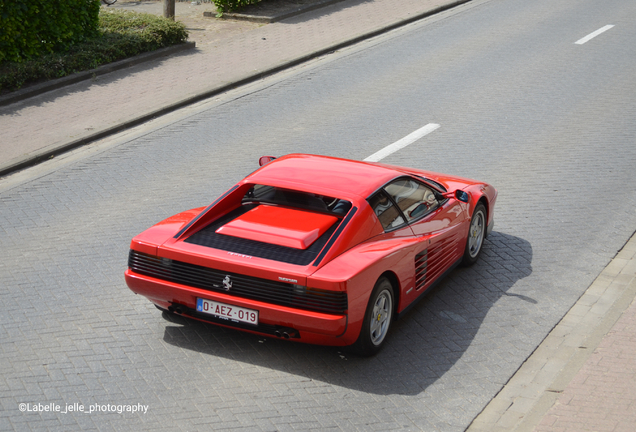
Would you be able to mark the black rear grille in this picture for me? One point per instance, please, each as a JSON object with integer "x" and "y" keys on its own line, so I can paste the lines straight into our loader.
{"x": 279, "y": 293}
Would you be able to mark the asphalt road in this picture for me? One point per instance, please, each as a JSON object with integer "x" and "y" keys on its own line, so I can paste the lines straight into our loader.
{"x": 547, "y": 121}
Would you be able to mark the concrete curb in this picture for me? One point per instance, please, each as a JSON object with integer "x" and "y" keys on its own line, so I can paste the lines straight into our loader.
{"x": 51, "y": 151}
{"x": 535, "y": 387}
{"x": 55, "y": 84}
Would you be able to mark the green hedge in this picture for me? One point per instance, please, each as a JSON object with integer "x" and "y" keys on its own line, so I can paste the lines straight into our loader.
{"x": 147, "y": 31}
{"x": 122, "y": 34}
{"x": 29, "y": 28}
{"x": 223, "y": 6}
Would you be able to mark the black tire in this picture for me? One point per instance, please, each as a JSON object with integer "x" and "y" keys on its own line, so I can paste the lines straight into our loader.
{"x": 476, "y": 235}
{"x": 377, "y": 319}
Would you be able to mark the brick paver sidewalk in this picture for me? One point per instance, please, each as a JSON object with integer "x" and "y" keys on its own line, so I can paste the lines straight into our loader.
{"x": 83, "y": 109}
{"x": 602, "y": 396}
{"x": 583, "y": 376}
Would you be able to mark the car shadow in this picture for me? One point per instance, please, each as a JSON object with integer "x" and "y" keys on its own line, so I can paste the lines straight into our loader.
{"x": 422, "y": 346}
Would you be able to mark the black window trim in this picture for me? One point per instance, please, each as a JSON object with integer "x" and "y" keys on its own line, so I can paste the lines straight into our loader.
{"x": 381, "y": 190}
{"x": 432, "y": 183}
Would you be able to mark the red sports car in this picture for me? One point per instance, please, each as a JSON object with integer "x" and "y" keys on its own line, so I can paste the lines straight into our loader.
{"x": 314, "y": 249}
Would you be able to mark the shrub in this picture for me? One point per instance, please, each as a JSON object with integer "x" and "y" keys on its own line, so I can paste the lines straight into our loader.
{"x": 223, "y": 6}
{"x": 148, "y": 31}
{"x": 30, "y": 28}
{"x": 121, "y": 34}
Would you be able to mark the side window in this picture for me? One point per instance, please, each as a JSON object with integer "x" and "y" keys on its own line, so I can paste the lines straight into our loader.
{"x": 413, "y": 198}
{"x": 386, "y": 211}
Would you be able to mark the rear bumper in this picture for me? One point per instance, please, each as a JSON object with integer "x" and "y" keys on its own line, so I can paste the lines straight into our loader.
{"x": 274, "y": 320}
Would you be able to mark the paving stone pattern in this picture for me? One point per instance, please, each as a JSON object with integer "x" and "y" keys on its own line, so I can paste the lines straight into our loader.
{"x": 601, "y": 396}
{"x": 548, "y": 124}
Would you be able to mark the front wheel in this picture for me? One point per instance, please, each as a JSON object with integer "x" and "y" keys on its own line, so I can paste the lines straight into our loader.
{"x": 476, "y": 235}
{"x": 377, "y": 319}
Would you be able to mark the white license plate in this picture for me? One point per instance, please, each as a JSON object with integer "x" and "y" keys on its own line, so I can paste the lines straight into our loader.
{"x": 226, "y": 311}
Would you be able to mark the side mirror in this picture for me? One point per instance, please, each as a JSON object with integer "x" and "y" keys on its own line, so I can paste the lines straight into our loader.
{"x": 459, "y": 195}
{"x": 264, "y": 160}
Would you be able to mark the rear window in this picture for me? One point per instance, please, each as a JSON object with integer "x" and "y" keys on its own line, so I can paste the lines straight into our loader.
{"x": 297, "y": 199}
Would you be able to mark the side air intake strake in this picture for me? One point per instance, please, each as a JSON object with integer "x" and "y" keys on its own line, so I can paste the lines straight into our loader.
{"x": 421, "y": 261}
{"x": 440, "y": 256}
{"x": 265, "y": 290}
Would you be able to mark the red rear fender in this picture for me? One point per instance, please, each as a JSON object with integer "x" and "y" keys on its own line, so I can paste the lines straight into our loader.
{"x": 155, "y": 236}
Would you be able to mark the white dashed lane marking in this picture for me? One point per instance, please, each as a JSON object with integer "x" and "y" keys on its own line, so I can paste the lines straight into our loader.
{"x": 594, "y": 34}
{"x": 400, "y": 144}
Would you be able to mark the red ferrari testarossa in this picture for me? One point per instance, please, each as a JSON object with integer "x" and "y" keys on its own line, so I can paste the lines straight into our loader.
{"x": 314, "y": 249}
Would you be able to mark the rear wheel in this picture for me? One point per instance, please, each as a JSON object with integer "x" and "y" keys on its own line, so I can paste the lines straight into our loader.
{"x": 377, "y": 319}
{"x": 476, "y": 235}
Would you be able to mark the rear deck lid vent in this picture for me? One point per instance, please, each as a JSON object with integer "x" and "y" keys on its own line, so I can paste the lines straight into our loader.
{"x": 280, "y": 226}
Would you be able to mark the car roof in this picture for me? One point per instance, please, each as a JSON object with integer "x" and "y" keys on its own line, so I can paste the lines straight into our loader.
{"x": 311, "y": 172}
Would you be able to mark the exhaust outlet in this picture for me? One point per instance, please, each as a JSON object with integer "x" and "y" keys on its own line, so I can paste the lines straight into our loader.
{"x": 175, "y": 309}
{"x": 287, "y": 333}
